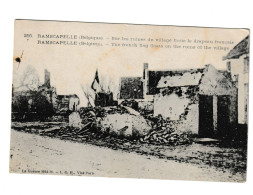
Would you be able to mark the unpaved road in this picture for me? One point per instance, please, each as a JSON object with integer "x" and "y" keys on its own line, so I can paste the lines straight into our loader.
{"x": 32, "y": 153}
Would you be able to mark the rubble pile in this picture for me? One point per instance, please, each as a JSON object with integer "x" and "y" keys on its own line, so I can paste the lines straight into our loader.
{"x": 108, "y": 126}
{"x": 163, "y": 133}
{"x": 99, "y": 123}
{"x": 163, "y": 137}
{"x": 120, "y": 121}
{"x": 91, "y": 116}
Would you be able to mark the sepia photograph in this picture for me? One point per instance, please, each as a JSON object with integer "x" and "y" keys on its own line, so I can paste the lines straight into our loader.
{"x": 130, "y": 101}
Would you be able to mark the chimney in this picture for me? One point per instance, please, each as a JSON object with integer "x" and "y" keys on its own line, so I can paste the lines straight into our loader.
{"x": 145, "y": 80}
{"x": 47, "y": 78}
{"x": 228, "y": 66}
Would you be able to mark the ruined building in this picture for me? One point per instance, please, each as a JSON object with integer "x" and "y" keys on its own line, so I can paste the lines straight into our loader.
{"x": 48, "y": 91}
{"x": 201, "y": 101}
{"x": 237, "y": 61}
{"x": 61, "y": 103}
{"x": 68, "y": 102}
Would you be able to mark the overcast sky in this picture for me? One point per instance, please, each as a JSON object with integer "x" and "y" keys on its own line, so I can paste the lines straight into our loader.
{"x": 71, "y": 66}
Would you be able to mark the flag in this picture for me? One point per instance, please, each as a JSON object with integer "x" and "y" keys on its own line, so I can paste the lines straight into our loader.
{"x": 95, "y": 84}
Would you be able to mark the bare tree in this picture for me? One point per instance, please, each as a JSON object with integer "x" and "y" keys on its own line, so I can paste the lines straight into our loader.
{"x": 29, "y": 79}
{"x": 89, "y": 94}
{"x": 28, "y": 102}
{"x": 107, "y": 85}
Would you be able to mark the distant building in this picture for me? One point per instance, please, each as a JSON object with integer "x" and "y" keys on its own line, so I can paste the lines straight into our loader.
{"x": 47, "y": 78}
{"x": 61, "y": 103}
{"x": 39, "y": 103}
{"x": 135, "y": 88}
{"x": 237, "y": 61}
{"x": 47, "y": 90}
{"x": 68, "y": 102}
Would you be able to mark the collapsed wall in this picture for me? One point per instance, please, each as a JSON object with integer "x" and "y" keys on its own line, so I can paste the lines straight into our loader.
{"x": 180, "y": 106}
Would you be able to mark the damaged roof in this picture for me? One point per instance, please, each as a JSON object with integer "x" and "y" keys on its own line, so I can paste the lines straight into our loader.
{"x": 131, "y": 88}
{"x": 240, "y": 49}
{"x": 175, "y": 78}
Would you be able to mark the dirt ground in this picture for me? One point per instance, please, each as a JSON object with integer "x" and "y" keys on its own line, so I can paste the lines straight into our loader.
{"x": 31, "y": 153}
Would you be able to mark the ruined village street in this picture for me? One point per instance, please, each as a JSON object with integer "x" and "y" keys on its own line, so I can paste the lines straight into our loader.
{"x": 32, "y": 153}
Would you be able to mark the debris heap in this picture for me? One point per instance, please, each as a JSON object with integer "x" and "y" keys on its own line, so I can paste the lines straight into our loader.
{"x": 158, "y": 131}
{"x": 163, "y": 133}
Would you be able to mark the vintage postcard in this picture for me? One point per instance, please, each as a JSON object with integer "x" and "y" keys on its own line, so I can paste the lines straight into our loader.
{"x": 134, "y": 101}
